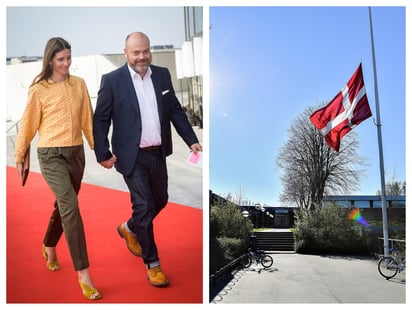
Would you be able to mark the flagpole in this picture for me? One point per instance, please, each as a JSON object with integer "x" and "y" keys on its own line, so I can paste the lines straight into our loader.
{"x": 378, "y": 126}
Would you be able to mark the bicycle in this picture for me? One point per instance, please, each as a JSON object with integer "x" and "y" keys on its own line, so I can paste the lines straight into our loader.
{"x": 259, "y": 257}
{"x": 389, "y": 266}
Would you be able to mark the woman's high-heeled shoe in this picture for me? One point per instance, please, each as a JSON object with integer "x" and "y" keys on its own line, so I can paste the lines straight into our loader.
{"x": 88, "y": 292}
{"x": 52, "y": 266}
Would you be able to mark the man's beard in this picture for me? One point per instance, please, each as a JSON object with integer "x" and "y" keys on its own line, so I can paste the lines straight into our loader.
{"x": 141, "y": 68}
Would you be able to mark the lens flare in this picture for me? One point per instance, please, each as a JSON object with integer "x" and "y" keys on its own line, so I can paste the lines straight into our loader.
{"x": 355, "y": 215}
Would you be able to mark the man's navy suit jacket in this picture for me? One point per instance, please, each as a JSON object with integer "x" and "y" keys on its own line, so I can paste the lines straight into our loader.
{"x": 117, "y": 105}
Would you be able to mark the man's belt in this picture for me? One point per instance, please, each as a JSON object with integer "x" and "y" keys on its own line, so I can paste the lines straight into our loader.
{"x": 150, "y": 148}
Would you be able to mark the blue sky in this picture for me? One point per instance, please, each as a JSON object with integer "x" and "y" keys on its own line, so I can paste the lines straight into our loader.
{"x": 267, "y": 64}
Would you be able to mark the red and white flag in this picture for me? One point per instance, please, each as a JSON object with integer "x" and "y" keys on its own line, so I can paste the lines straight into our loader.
{"x": 347, "y": 110}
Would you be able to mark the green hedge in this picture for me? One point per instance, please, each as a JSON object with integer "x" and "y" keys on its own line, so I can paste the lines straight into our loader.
{"x": 224, "y": 251}
{"x": 229, "y": 235}
{"x": 328, "y": 230}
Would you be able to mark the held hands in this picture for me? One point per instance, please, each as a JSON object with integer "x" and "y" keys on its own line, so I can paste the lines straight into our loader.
{"x": 108, "y": 164}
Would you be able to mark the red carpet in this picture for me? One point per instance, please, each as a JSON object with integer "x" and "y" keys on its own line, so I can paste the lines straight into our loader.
{"x": 119, "y": 276}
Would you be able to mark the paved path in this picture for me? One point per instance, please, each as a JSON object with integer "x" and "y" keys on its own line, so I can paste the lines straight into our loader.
{"x": 297, "y": 278}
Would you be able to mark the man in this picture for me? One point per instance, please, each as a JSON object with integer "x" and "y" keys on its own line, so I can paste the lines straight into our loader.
{"x": 139, "y": 100}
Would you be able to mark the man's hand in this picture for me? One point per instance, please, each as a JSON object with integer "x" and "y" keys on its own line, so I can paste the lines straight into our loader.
{"x": 108, "y": 164}
{"x": 196, "y": 148}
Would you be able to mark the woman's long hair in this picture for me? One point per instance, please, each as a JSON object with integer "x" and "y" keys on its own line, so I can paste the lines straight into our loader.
{"x": 53, "y": 46}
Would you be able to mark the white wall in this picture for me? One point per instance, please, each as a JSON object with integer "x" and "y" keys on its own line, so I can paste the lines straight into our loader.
{"x": 20, "y": 77}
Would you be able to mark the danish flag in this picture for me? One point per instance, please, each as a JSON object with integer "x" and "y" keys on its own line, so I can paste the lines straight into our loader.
{"x": 347, "y": 110}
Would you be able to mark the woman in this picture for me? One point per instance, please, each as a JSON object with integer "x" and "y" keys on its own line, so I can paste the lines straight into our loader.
{"x": 59, "y": 109}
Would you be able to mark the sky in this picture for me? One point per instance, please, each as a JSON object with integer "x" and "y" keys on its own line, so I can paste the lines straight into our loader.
{"x": 90, "y": 30}
{"x": 268, "y": 64}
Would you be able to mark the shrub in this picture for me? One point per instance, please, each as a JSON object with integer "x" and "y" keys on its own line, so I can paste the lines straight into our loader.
{"x": 229, "y": 234}
{"x": 328, "y": 230}
{"x": 225, "y": 251}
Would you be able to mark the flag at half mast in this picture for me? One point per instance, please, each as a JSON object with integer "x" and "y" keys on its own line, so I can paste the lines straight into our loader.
{"x": 347, "y": 110}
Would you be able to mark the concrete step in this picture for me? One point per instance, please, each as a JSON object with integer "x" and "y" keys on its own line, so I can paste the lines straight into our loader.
{"x": 275, "y": 241}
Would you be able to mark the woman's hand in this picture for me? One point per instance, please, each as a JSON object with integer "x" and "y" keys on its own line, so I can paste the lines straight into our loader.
{"x": 19, "y": 167}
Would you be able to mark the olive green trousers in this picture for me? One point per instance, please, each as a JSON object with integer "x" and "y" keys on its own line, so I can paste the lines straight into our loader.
{"x": 63, "y": 168}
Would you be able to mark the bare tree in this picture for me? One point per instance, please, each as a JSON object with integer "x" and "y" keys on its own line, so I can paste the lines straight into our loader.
{"x": 395, "y": 187}
{"x": 311, "y": 168}
{"x": 239, "y": 197}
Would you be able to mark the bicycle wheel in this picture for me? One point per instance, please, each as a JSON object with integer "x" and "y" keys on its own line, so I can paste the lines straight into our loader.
{"x": 266, "y": 261}
{"x": 388, "y": 267}
{"x": 247, "y": 261}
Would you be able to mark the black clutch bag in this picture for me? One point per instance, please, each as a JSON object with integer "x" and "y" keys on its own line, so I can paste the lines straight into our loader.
{"x": 26, "y": 166}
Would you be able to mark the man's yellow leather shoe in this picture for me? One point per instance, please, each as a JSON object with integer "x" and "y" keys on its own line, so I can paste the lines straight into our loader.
{"x": 131, "y": 241}
{"x": 157, "y": 277}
